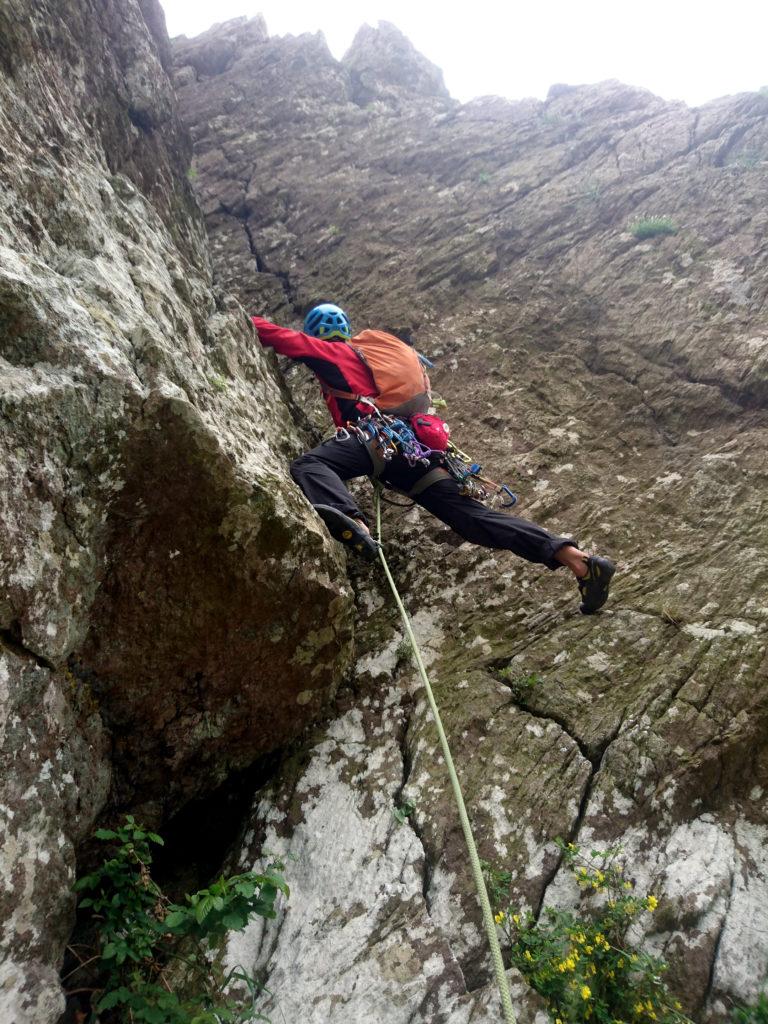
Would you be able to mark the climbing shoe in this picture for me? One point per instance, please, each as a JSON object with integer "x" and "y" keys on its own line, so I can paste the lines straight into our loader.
{"x": 594, "y": 586}
{"x": 349, "y": 532}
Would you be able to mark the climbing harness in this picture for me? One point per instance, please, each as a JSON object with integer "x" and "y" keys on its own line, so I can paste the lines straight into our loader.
{"x": 477, "y": 871}
{"x": 387, "y": 436}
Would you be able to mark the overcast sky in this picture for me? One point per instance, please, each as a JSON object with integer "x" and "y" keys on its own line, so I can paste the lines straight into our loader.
{"x": 679, "y": 49}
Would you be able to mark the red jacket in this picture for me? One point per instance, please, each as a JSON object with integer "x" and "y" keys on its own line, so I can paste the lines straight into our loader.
{"x": 335, "y": 363}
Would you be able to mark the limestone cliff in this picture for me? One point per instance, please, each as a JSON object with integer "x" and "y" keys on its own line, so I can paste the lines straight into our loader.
{"x": 620, "y": 383}
{"x": 171, "y": 608}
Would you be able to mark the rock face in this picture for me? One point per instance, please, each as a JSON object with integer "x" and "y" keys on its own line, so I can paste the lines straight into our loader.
{"x": 621, "y": 385}
{"x": 170, "y": 608}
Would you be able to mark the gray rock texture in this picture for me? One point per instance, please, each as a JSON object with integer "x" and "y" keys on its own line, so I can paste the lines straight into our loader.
{"x": 620, "y": 385}
{"x": 170, "y": 608}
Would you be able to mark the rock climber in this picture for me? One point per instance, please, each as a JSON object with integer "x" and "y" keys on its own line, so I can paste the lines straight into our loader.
{"x": 377, "y": 367}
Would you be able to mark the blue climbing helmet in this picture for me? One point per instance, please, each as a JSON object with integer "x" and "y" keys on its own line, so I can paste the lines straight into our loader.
{"x": 327, "y": 321}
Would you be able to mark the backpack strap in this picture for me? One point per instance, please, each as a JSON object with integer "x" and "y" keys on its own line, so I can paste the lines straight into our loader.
{"x": 337, "y": 393}
{"x": 418, "y": 404}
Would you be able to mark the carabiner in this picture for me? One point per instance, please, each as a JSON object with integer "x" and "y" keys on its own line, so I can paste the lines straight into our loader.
{"x": 510, "y": 494}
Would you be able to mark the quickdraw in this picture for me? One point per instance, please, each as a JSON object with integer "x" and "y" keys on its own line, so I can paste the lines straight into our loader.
{"x": 389, "y": 435}
{"x": 473, "y": 484}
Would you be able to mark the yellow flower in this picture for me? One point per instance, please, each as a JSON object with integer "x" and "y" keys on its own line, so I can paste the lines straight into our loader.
{"x": 678, "y": 1005}
{"x": 528, "y": 956}
{"x": 515, "y": 919}
{"x": 627, "y": 885}
{"x": 651, "y": 903}
{"x": 639, "y": 1008}
{"x": 499, "y": 917}
{"x": 588, "y": 950}
{"x": 586, "y": 991}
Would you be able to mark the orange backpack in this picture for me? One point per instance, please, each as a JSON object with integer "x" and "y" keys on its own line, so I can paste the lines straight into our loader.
{"x": 401, "y": 382}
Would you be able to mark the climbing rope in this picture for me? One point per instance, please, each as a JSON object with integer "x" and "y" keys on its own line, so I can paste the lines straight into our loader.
{"x": 477, "y": 871}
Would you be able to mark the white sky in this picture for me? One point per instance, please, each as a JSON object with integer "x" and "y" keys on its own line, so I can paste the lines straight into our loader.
{"x": 680, "y": 49}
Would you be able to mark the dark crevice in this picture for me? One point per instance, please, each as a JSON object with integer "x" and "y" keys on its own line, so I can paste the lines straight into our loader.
{"x": 747, "y": 400}
{"x": 263, "y": 268}
{"x": 201, "y": 837}
{"x": 252, "y": 246}
{"x": 199, "y": 842}
{"x": 407, "y": 759}
{"x": 12, "y": 638}
{"x": 593, "y": 755}
{"x": 733, "y": 140}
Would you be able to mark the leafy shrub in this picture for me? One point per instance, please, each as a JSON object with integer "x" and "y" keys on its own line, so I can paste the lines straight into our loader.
{"x": 581, "y": 963}
{"x": 144, "y": 941}
{"x": 521, "y": 685}
{"x": 404, "y": 812}
{"x": 649, "y": 227}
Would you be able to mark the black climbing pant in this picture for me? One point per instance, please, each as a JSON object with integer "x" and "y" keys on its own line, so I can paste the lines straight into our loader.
{"x": 321, "y": 472}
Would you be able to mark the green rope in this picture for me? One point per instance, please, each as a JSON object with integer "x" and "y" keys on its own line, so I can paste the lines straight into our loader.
{"x": 477, "y": 871}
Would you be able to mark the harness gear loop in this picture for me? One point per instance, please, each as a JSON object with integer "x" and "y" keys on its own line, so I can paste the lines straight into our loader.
{"x": 477, "y": 871}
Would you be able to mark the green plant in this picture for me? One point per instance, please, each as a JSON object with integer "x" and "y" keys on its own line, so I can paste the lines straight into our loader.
{"x": 581, "y": 963}
{"x": 592, "y": 190}
{"x": 757, "y": 1014}
{"x": 404, "y": 652}
{"x": 192, "y": 174}
{"x": 149, "y": 948}
{"x": 649, "y": 227}
{"x": 218, "y": 383}
{"x": 497, "y": 882}
{"x": 483, "y": 178}
{"x": 404, "y": 811}
{"x": 521, "y": 685}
